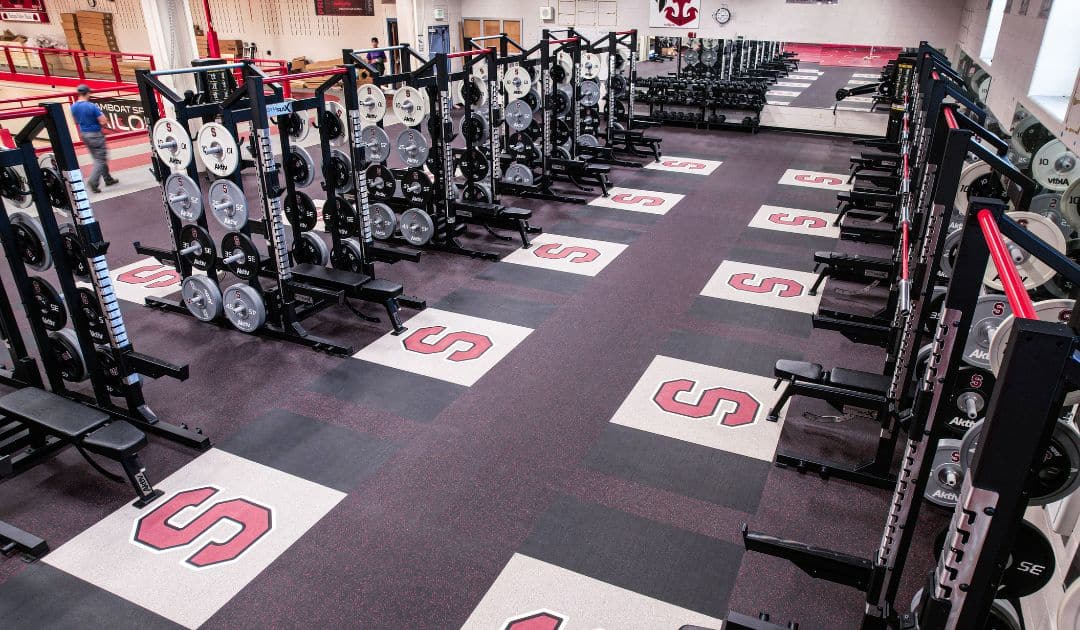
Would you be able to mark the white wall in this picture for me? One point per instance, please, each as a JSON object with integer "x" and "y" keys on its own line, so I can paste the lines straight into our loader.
{"x": 128, "y": 23}
{"x": 1014, "y": 64}
{"x": 878, "y": 22}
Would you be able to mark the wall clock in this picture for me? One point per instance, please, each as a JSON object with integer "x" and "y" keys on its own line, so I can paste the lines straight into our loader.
{"x": 722, "y": 15}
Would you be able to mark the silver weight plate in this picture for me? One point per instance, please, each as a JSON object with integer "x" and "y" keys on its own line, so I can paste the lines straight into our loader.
{"x": 172, "y": 143}
{"x": 244, "y": 308}
{"x": 372, "y": 103}
{"x": 413, "y": 147}
{"x": 338, "y": 110}
{"x": 301, "y": 134}
{"x": 410, "y": 106}
{"x": 227, "y": 204}
{"x": 1055, "y": 167}
{"x": 416, "y": 226}
{"x": 184, "y": 197}
{"x": 1049, "y": 206}
{"x": 590, "y": 65}
{"x": 309, "y": 166}
{"x": 690, "y": 58}
{"x": 946, "y": 474}
{"x": 990, "y": 311}
{"x": 968, "y": 175}
{"x": 1047, "y": 310}
{"x": 218, "y": 149}
{"x": 709, "y": 56}
{"x": 517, "y": 173}
{"x": 587, "y": 140}
{"x": 376, "y": 143}
{"x": 1033, "y": 272}
{"x": 479, "y": 70}
{"x": 383, "y": 221}
{"x": 518, "y": 115}
{"x": 1070, "y": 205}
{"x": 517, "y": 81}
{"x": 202, "y": 297}
{"x": 590, "y": 93}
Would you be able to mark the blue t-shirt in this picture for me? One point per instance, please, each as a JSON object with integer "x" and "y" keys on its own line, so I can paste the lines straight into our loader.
{"x": 86, "y": 115}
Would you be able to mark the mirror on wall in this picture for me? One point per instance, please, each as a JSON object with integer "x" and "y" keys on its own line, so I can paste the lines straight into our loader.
{"x": 975, "y": 77}
{"x": 842, "y": 77}
{"x": 661, "y": 58}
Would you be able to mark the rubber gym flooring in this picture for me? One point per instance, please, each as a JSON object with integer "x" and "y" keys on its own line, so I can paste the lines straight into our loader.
{"x": 569, "y": 438}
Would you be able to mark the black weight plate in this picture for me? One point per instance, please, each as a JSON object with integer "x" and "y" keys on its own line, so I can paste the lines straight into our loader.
{"x": 244, "y": 267}
{"x": 30, "y": 241}
{"x": 970, "y": 381}
{"x": 535, "y": 130}
{"x": 192, "y": 235}
{"x": 300, "y": 210}
{"x": 346, "y": 218}
{"x": 557, "y": 72}
{"x": 110, "y": 369}
{"x": 338, "y": 172}
{"x": 557, "y": 101}
{"x": 532, "y": 100}
{"x": 46, "y": 304}
{"x": 348, "y": 256}
{"x": 1029, "y": 567}
{"x": 64, "y": 346}
{"x": 560, "y": 134}
{"x": 91, "y": 309}
{"x": 417, "y": 187}
{"x": 74, "y": 253}
{"x": 331, "y": 125}
{"x": 619, "y": 60}
{"x": 297, "y": 168}
{"x": 381, "y": 182}
{"x": 471, "y": 93}
{"x": 55, "y": 188}
{"x": 474, "y": 165}
{"x": 473, "y": 128}
{"x": 11, "y": 182}
{"x": 307, "y": 250}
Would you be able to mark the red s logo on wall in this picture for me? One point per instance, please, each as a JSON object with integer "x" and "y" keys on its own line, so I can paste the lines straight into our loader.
{"x": 788, "y": 288}
{"x": 798, "y": 220}
{"x": 643, "y": 200}
{"x": 151, "y": 276}
{"x": 745, "y": 406}
{"x": 154, "y": 531}
{"x": 819, "y": 179}
{"x": 578, "y": 254}
{"x": 417, "y": 342}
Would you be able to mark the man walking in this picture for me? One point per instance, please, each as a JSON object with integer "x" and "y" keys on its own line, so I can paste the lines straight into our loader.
{"x": 90, "y": 120}
{"x": 377, "y": 58}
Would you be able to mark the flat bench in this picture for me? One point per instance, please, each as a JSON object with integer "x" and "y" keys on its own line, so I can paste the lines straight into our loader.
{"x": 89, "y": 430}
{"x": 354, "y": 285}
{"x": 838, "y": 386}
{"x": 850, "y": 267}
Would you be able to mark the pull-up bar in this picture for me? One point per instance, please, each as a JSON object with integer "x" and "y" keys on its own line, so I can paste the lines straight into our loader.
{"x": 469, "y": 53}
{"x": 304, "y": 75}
{"x": 565, "y": 40}
{"x": 220, "y": 66}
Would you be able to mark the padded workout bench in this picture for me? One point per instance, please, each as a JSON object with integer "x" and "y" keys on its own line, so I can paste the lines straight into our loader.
{"x": 354, "y": 285}
{"x": 838, "y": 386}
{"x": 86, "y": 428}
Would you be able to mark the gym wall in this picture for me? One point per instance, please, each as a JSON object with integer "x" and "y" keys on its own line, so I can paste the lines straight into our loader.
{"x": 877, "y": 22}
{"x": 1014, "y": 64}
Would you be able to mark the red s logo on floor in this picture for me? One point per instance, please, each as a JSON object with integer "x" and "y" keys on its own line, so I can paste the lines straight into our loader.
{"x": 688, "y": 165}
{"x": 819, "y": 179}
{"x": 151, "y": 276}
{"x": 709, "y": 401}
{"x": 154, "y": 530}
{"x": 579, "y": 254}
{"x": 783, "y": 218}
{"x": 643, "y": 200}
{"x": 478, "y": 344}
{"x": 542, "y": 620}
{"x": 788, "y": 288}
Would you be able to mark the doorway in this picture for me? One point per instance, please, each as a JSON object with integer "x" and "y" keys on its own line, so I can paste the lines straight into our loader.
{"x": 438, "y": 39}
{"x": 392, "y": 40}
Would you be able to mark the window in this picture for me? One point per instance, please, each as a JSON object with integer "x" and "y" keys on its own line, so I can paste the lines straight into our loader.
{"x": 1058, "y": 61}
{"x": 993, "y": 27}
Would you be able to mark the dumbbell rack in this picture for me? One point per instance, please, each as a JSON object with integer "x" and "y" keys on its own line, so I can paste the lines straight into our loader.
{"x": 519, "y": 149}
{"x": 97, "y": 347}
{"x": 436, "y": 217}
{"x": 274, "y": 312}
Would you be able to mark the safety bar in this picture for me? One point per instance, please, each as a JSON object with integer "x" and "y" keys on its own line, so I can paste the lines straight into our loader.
{"x": 630, "y": 32}
{"x": 469, "y": 53}
{"x": 483, "y": 37}
{"x": 1015, "y": 291}
{"x": 220, "y": 66}
{"x": 563, "y": 41}
{"x": 304, "y": 75}
{"x": 22, "y": 113}
{"x": 364, "y": 51}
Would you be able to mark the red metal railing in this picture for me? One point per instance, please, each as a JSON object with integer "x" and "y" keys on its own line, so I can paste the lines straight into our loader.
{"x": 69, "y": 68}
{"x": 271, "y": 67}
{"x": 1014, "y": 287}
{"x": 18, "y": 107}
